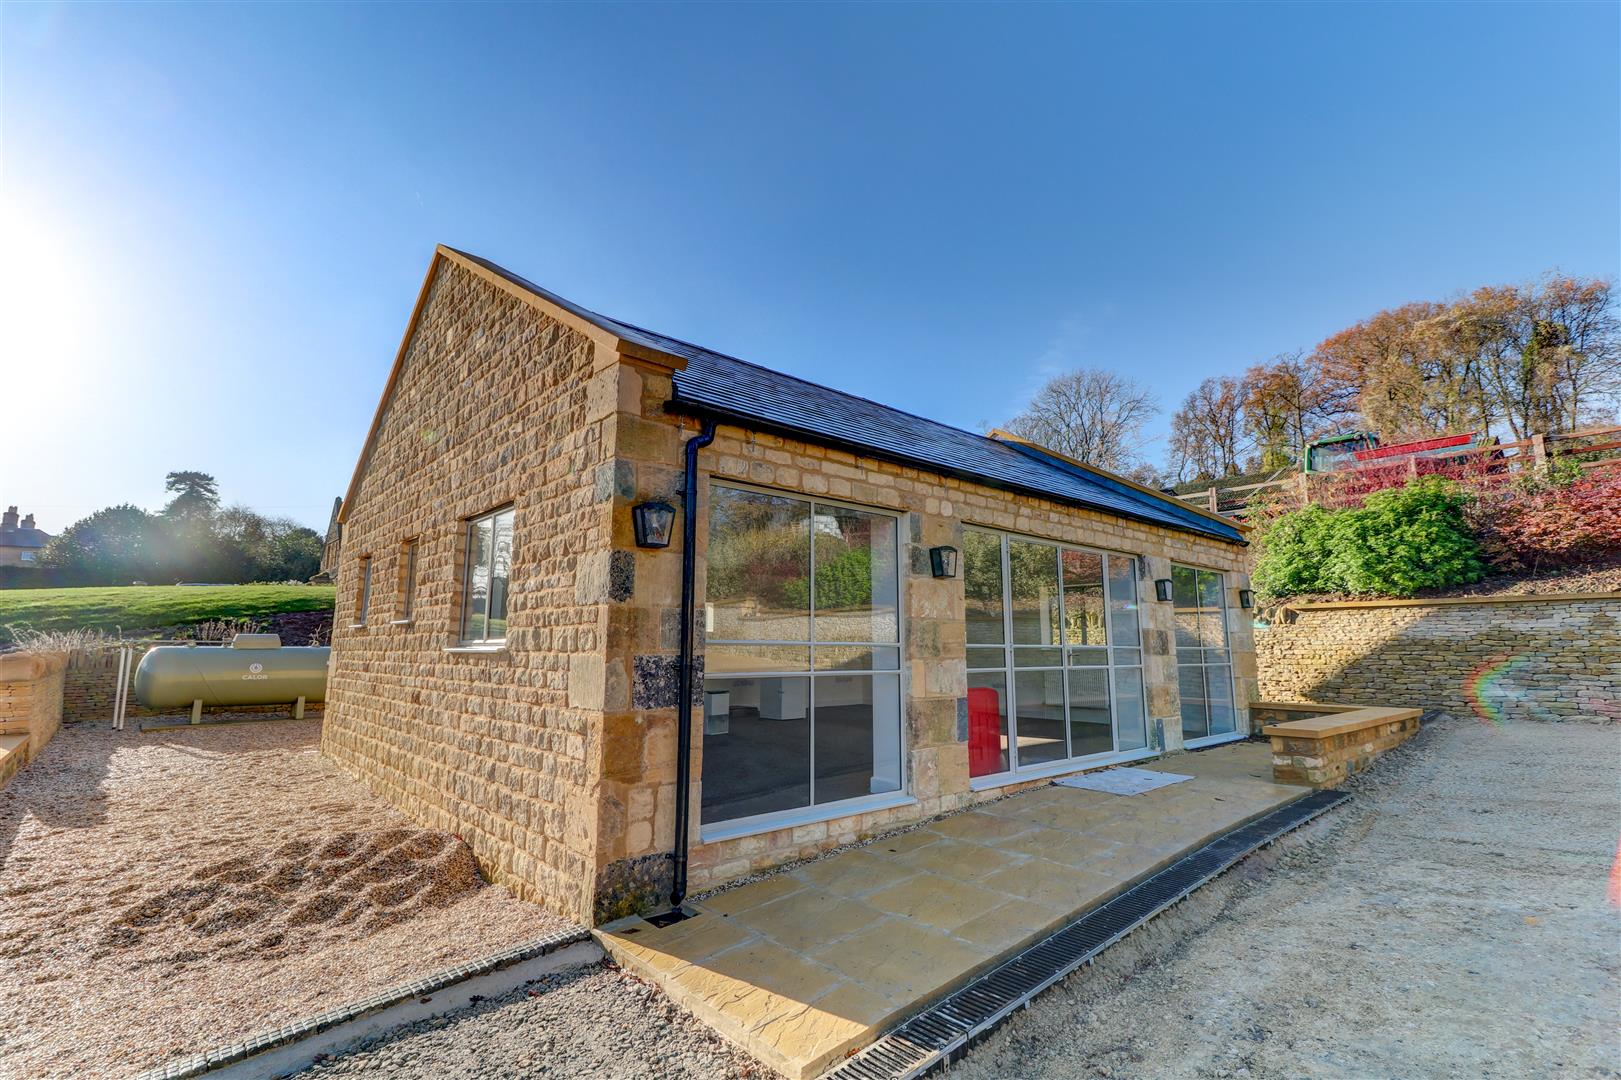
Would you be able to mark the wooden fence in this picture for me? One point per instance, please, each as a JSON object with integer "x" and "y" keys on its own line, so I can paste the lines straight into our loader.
{"x": 1593, "y": 448}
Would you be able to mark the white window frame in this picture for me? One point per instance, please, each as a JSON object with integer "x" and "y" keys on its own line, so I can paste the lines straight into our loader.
{"x": 1009, "y": 671}
{"x": 469, "y": 531}
{"x": 815, "y": 812}
{"x": 363, "y": 596}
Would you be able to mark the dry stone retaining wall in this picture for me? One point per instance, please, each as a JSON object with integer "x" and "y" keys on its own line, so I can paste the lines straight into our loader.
{"x": 1502, "y": 658}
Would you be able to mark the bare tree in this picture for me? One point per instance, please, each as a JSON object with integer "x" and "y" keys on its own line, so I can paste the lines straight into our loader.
{"x": 1580, "y": 337}
{"x": 1091, "y": 415}
{"x": 1207, "y": 433}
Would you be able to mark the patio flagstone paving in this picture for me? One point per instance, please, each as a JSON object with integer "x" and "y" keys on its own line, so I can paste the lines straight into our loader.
{"x": 807, "y": 965}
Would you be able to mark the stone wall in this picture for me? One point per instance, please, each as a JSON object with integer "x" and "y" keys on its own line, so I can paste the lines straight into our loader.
{"x": 493, "y": 404}
{"x": 31, "y": 697}
{"x": 1509, "y": 658}
{"x": 92, "y": 685}
{"x": 1322, "y": 748}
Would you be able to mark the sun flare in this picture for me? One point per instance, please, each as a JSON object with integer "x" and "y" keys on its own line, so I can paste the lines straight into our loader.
{"x": 45, "y": 327}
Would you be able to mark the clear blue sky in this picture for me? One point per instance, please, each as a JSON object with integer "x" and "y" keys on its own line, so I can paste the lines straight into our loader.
{"x": 217, "y": 216}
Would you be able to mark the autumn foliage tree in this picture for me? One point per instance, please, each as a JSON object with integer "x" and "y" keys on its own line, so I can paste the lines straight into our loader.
{"x": 1538, "y": 358}
{"x": 1516, "y": 360}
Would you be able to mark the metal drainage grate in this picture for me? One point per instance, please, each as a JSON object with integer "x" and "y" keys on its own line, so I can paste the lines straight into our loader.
{"x": 943, "y": 1033}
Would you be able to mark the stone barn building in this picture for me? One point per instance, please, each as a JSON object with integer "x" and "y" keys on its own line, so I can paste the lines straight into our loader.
{"x": 890, "y": 618}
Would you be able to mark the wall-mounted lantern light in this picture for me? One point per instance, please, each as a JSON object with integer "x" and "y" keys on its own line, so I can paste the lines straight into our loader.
{"x": 654, "y": 522}
{"x": 1162, "y": 589}
{"x": 943, "y": 561}
{"x": 1246, "y": 599}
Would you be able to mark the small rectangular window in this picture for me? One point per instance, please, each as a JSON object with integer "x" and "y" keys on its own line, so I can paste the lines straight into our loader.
{"x": 484, "y": 586}
{"x": 408, "y": 580}
{"x": 363, "y": 596}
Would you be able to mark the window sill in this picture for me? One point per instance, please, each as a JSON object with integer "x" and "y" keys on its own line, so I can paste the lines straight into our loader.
{"x": 1059, "y": 768}
{"x": 358, "y": 626}
{"x": 401, "y": 622}
{"x": 810, "y": 815}
{"x": 1214, "y": 740}
{"x": 477, "y": 650}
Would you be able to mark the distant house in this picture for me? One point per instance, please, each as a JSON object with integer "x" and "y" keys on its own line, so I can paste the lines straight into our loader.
{"x": 328, "y": 573}
{"x": 20, "y": 542}
{"x": 890, "y": 618}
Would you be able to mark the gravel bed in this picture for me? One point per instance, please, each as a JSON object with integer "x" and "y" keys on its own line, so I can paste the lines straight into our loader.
{"x": 596, "y": 1022}
{"x": 165, "y": 893}
{"x": 1450, "y": 921}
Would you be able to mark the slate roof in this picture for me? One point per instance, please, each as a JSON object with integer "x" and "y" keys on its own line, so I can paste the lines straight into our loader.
{"x": 24, "y": 538}
{"x": 749, "y": 395}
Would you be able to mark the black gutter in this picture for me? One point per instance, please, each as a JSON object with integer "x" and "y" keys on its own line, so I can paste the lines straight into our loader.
{"x": 683, "y": 708}
{"x": 744, "y": 420}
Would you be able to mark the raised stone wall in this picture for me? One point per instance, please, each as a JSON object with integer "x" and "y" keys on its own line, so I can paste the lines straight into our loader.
{"x": 1514, "y": 658}
{"x": 31, "y": 697}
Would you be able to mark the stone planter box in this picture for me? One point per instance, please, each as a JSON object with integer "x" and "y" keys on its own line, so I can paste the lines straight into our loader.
{"x": 1321, "y": 746}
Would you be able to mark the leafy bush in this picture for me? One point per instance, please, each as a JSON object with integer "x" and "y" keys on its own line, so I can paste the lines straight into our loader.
{"x": 1294, "y": 552}
{"x": 1404, "y": 539}
{"x": 1560, "y": 525}
{"x": 1399, "y": 541}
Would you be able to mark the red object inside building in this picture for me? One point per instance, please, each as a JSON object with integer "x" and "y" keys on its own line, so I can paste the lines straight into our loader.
{"x": 984, "y": 732}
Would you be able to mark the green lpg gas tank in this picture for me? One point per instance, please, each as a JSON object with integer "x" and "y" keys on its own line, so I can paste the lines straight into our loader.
{"x": 253, "y": 670}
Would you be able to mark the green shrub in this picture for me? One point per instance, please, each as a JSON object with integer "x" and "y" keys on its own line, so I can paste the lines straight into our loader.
{"x": 1399, "y": 541}
{"x": 1294, "y": 550}
{"x": 1405, "y": 539}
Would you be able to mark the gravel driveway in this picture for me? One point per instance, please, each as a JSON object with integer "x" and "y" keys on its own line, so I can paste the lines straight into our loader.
{"x": 593, "y": 1022}
{"x": 1451, "y": 921}
{"x": 165, "y": 893}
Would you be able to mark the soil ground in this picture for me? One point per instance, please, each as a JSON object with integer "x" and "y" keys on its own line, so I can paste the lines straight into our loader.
{"x": 164, "y": 894}
{"x": 1451, "y": 921}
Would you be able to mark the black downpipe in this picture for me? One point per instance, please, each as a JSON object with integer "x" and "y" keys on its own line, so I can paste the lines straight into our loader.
{"x": 683, "y": 708}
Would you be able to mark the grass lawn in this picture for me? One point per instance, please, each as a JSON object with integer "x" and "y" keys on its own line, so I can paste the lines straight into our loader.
{"x": 150, "y": 607}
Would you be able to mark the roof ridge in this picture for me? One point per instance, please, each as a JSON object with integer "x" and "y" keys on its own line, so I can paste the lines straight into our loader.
{"x": 609, "y": 322}
{"x": 770, "y": 399}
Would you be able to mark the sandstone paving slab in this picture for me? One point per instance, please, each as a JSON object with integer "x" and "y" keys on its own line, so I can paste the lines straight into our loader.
{"x": 801, "y": 967}
{"x": 959, "y": 859}
{"x": 851, "y": 873}
{"x": 733, "y": 901}
{"x": 804, "y": 920}
{"x": 979, "y": 828}
{"x": 902, "y": 959}
{"x": 937, "y": 900}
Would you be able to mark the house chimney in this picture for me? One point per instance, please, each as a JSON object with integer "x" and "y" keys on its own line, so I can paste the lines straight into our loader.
{"x": 9, "y": 520}
{"x": 28, "y": 522}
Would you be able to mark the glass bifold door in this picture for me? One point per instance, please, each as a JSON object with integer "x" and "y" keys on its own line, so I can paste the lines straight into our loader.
{"x": 1054, "y": 653}
{"x": 802, "y": 679}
